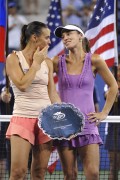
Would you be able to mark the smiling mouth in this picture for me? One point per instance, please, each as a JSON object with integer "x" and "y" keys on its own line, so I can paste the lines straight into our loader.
{"x": 67, "y": 42}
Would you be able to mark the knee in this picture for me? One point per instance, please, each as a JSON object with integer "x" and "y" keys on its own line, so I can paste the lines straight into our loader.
{"x": 18, "y": 172}
{"x": 92, "y": 173}
{"x": 71, "y": 174}
{"x": 38, "y": 173}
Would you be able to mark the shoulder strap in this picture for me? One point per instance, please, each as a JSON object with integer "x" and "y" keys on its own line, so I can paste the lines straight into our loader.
{"x": 62, "y": 69}
{"x": 85, "y": 68}
{"x": 20, "y": 60}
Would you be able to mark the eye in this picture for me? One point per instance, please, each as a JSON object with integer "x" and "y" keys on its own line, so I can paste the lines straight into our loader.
{"x": 68, "y": 33}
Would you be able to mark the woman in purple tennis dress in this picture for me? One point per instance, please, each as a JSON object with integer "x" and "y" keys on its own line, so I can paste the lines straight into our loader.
{"x": 76, "y": 75}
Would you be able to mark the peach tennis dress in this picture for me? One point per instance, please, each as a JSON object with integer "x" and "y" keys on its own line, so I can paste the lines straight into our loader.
{"x": 28, "y": 105}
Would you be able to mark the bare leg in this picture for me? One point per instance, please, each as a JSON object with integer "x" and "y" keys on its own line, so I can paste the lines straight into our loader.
{"x": 90, "y": 157}
{"x": 69, "y": 162}
{"x": 40, "y": 158}
{"x": 20, "y": 149}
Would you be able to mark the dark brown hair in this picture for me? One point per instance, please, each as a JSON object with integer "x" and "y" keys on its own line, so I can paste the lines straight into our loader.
{"x": 86, "y": 44}
{"x": 27, "y": 31}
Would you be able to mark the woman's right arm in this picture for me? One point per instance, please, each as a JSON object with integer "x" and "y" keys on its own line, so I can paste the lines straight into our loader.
{"x": 14, "y": 71}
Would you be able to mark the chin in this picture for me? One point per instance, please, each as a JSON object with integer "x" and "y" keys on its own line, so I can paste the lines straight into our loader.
{"x": 69, "y": 47}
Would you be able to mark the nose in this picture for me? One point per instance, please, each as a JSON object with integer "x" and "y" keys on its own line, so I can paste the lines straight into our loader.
{"x": 65, "y": 37}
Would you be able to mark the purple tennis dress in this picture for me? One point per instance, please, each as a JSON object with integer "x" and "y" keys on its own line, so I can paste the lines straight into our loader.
{"x": 78, "y": 90}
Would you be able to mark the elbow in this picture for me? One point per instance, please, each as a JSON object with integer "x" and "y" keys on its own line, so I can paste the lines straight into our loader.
{"x": 21, "y": 85}
{"x": 116, "y": 87}
{"x": 22, "y": 88}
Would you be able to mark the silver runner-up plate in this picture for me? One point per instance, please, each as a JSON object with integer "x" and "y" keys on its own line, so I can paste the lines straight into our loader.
{"x": 61, "y": 121}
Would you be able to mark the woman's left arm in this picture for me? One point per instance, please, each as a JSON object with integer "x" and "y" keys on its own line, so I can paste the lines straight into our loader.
{"x": 54, "y": 97}
{"x": 101, "y": 68}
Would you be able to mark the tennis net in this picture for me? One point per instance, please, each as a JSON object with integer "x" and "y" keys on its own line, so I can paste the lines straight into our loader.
{"x": 58, "y": 174}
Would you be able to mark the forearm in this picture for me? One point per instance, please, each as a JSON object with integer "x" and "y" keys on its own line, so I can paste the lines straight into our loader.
{"x": 11, "y": 27}
{"x": 54, "y": 97}
{"x": 27, "y": 79}
{"x": 111, "y": 95}
{"x": 38, "y": 58}
{"x": 15, "y": 72}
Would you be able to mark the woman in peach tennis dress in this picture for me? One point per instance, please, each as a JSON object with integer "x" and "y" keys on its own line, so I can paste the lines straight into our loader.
{"x": 31, "y": 76}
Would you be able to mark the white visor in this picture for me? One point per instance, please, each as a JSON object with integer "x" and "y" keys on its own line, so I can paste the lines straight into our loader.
{"x": 58, "y": 30}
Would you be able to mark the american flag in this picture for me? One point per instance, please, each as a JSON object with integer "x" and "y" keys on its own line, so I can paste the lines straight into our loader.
{"x": 54, "y": 157}
{"x": 102, "y": 31}
{"x": 2, "y": 29}
{"x": 54, "y": 20}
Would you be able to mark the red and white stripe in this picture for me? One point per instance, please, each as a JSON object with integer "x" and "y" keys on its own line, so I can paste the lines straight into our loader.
{"x": 53, "y": 161}
{"x": 103, "y": 40}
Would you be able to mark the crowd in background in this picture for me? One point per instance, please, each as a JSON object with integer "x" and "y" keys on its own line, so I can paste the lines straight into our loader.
{"x": 73, "y": 11}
